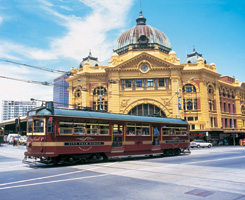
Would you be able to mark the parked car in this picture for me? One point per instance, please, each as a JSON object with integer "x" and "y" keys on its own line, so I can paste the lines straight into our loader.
{"x": 22, "y": 140}
{"x": 200, "y": 143}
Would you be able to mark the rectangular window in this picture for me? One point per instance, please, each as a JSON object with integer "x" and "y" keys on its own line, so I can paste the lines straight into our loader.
{"x": 150, "y": 82}
{"x": 226, "y": 123}
{"x": 128, "y": 83}
{"x": 103, "y": 128}
{"x": 122, "y": 84}
{"x": 92, "y": 128}
{"x": 130, "y": 129}
{"x": 138, "y": 129}
{"x": 195, "y": 104}
{"x": 190, "y": 119}
{"x": 161, "y": 82}
{"x": 178, "y": 131}
{"x": 38, "y": 125}
{"x": 29, "y": 127}
{"x": 79, "y": 128}
{"x": 145, "y": 129}
{"x": 139, "y": 82}
{"x": 165, "y": 131}
{"x": 117, "y": 129}
{"x": 94, "y": 105}
{"x": 66, "y": 127}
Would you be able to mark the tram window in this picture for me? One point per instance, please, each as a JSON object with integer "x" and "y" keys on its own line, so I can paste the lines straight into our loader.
{"x": 138, "y": 129}
{"x": 38, "y": 126}
{"x": 92, "y": 128}
{"x": 130, "y": 129}
{"x": 156, "y": 131}
{"x": 79, "y": 127}
{"x": 29, "y": 126}
{"x": 145, "y": 130}
{"x": 117, "y": 129}
{"x": 172, "y": 131}
{"x": 184, "y": 133}
{"x": 178, "y": 131}
{"x": 103, "y": 128}
{"x": 165, "y": 131}
{"x": 66, "y": 127}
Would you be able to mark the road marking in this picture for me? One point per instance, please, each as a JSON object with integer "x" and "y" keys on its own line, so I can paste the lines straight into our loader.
{"x": 58, "y": 181}
{"x": 213, "y": 160}
{"x": 45, "y": 177}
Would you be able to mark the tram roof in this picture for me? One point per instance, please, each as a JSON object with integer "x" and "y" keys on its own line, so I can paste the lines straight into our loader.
{"x": 106, "y": 116}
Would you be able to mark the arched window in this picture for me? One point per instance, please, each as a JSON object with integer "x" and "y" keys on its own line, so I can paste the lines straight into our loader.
{"x": 100, "y": 99}
{"x": 78, "y": 93}
{"x": 188, "y": 88}
{"x": 189, "y": 105}
{"x": 224, "y": 93}
{"x": 100, "y": 91}
{"x": 232, "y": 94}
{"x": 210, "y": 89}
{"x": 228, "y": 93}
{"x": 243, "y": 109}
{"x": 146, "y": 110}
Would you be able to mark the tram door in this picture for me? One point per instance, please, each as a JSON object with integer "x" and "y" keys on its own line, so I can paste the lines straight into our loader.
{"x": 156, "y": 135}
{"x": 117, "y": 135}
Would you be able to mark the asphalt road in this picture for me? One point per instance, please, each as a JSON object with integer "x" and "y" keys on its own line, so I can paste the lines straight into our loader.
{"x": 215, "y": 173}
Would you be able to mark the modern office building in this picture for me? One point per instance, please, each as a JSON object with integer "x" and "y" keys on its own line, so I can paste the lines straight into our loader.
{"x": 13, "y": 109}
{"x": 145, "y": 77}
{"x": 60, "y": 92}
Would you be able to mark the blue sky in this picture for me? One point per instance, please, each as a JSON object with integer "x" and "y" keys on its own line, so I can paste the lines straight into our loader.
{"x": 57, "y": 34}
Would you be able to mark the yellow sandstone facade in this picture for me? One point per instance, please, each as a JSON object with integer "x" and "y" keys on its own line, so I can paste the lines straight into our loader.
{"x": 145, "y": 77}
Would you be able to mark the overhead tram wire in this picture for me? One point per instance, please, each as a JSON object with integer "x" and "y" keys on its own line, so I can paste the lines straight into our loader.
{"x": 45, "y": 83}
{"x": 35, "y": 67}
{"x": 68, "y": 73}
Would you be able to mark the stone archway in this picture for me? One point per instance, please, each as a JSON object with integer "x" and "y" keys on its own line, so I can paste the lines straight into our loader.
{"x": 153, "y": 106}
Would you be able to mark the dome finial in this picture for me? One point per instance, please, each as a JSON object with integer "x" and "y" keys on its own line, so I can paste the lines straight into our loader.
{"x": 140, "y": 20}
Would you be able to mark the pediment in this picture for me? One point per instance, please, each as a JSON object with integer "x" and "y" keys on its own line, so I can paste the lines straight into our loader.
{"x": 152, "y": 61}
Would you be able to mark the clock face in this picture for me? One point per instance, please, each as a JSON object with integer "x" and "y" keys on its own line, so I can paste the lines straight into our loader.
{"x": 144, "y": 68}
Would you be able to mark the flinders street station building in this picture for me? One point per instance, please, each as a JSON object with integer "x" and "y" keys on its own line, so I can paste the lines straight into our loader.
{"x": 145, "y": 77}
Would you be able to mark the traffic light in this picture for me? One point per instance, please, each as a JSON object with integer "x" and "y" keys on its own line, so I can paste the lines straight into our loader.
{"x": 17, "y": 125}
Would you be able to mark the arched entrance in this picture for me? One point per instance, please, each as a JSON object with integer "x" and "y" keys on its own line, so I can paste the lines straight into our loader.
{"x": 146, "y": 110}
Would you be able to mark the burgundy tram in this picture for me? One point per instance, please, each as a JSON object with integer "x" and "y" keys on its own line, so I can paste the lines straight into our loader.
{"x": 70, "y": 136}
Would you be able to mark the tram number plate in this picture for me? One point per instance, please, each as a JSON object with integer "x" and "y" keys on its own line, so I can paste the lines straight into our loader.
{"x": 83, "y": 143}
{"x": 175, "y": 141}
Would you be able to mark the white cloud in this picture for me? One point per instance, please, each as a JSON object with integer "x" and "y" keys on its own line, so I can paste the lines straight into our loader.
{"x": 1, "y": 19}
{"x": 82, "y": 34}
{"x": 21, "y": 91}
{"x": 90, "y": 32}
{"x": 7, "y": 49}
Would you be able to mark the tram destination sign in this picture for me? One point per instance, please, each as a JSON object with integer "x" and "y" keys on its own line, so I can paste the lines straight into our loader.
{"x": 83, "y": 143}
